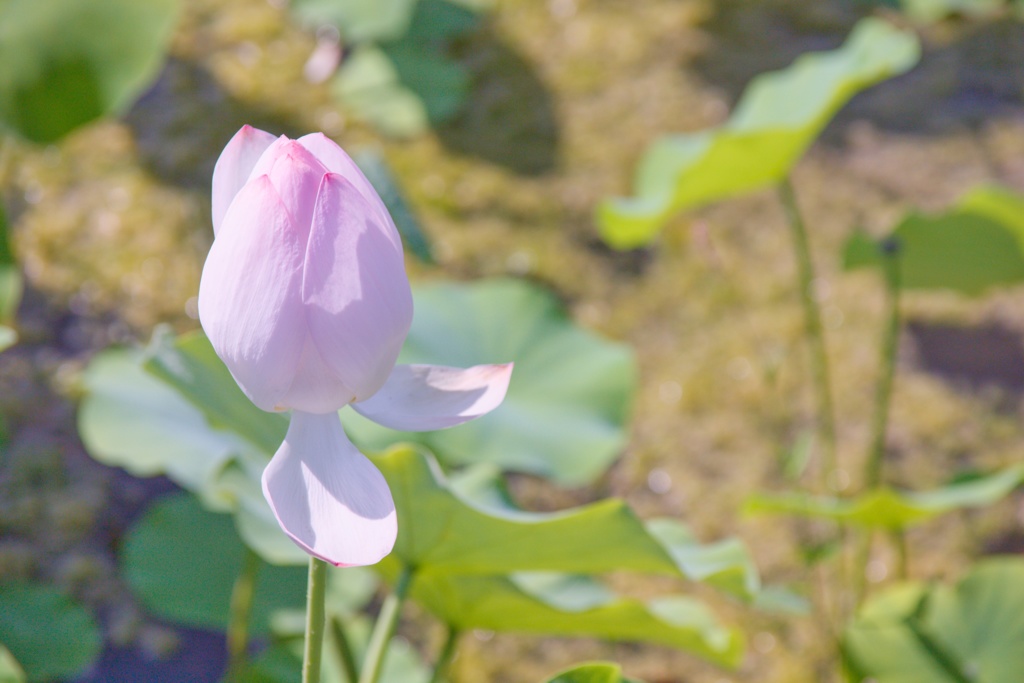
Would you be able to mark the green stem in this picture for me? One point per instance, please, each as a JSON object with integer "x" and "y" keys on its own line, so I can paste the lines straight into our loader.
{"x": 239, "y": 614}
{"x": 815, "y": 330}
{"x": 345, "y": 652}
{"x": 445, "y": 658}
{"x": 387, "y": 620}
{"x": 314, "y": 620}
{"x": 887, "y": 363}
{"x": 899, "y": 539}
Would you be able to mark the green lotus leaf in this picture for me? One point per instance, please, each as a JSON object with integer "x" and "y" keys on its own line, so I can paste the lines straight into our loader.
{"x": 31, "y": 617}
{"x": 64, "y": 63}
{"x": 892, "y": 509}
{"x": 776, "y": 120}
{"x": 592, "y": 672}
{"x": 971, "y": 631}
{"x": 10, "y": 670}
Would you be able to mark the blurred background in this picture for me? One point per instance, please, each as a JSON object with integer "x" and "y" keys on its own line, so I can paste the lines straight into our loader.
{"x": 499, "y": 126}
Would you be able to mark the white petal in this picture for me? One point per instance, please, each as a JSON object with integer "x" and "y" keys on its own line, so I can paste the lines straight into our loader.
{"x": 250, "y": 295}
{"x": 327, "y": 496}
{"x": 421, "y": 398}
{"x": 234, "y": 167}
{"x": 357, "y": 296}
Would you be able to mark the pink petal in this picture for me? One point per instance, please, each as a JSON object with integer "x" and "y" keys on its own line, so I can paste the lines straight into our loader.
{"x": 327, "y": 496}
{"x": 250, "y": 294}
{"x": 337, "y": 161}
{"x": 359, "y": 305}
{"x": 234, "y": 166}
{"x": 421, "y": 398}
{"x": 296, "y": 175}
{"x": 316, "y": 389}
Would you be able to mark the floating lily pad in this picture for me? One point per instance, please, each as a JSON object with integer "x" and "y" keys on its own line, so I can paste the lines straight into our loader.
{"x": 944, "y": 634}
{"x": 31, "y": 618}
{"x": 776, "y": 120}
{"x": 888, "y": 508}
{"x": 64, "y": 63}
{"x": 182, "y": 562}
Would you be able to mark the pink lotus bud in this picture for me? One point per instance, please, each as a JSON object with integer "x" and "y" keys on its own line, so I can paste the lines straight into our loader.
{"x": 304, "y": 297}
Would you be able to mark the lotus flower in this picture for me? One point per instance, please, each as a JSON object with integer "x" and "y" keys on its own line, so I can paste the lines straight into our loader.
{"x": 304, "y": 297}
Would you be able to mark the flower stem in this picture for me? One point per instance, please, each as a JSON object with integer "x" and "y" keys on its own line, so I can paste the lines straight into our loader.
{"x": 815, "y": 331}
{"x": 345, "y": 653}
{"x": 239, "y": 614}
{"x": 445, "y": 658}
{"x": 887, "y": 363}
{"x": 314, "y": 620}
{"x": 387, "y": 620}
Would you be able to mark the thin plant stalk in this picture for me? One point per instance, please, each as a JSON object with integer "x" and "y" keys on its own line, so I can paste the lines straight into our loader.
{"x": 874, "y": 464}
{"x": 445, "y": 658}
{"x": 873, "y": 470}
{"x": 384, "y": 629}
{"x": 239, "y": 613}
{"x": 316, "y": 590}
{"x": 815, "y": 330}
{"x": 344, "y": 649}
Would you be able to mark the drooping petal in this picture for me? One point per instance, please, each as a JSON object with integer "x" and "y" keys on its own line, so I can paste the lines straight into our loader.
{"x": 327, "y": 496}
{"x": 250, "y": 300}
{"x": 337, "y": 161}
{"x": 358, "y": 301}
{"x": 234, "y": 166}
{"x": 421, "y": 398}
{"x": 296, "y": 175}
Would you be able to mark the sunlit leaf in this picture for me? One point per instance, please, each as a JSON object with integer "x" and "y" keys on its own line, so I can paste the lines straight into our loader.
{"x": 934, "y": 10}
{"x": 10, "y": 670}
{"x": 368, "y": 84}
{"x": 570, "y": 605}
{"x": 888, "y": 508}
{"x": 977, "y": 245}
{"x": 182, "y": 562}
{"x": 944, "y": 634}
{"x": 592, "y": 672}
{"x": 10, "y": 284}
{"x": 31, "y": 616}
{"x": 64, "y": 63}
{"x": 778, "y": 117}
{"x": 569, "y": 399}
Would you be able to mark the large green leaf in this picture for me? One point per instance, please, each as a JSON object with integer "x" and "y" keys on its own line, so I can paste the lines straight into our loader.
{"x": 182, "y": 562}
{"x": 64, "y": 63}
{"x": 557, "y": 604}
{"x": 977, "y": 245}
{"x": 944, "y": 634}
{"x": 48, "y": 634}
{"x": 888, "y": 508}
{"x": 10, "y": 670}
{"x": 778, "y": 117}
{"x": 592, "y": 672}
{"x": 570, "y": 395}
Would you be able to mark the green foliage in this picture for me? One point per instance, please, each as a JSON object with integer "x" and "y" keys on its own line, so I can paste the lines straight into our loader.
{"x": 593, "y": 672}
{"x": 64, "y": 63}
{"x": 10, "y": 670}
{"x": 569, "y": 399}
{"x": 399, "y": 77}
{"x": 778, "y": 117}
{"x": 10, "y": 286}
{"x": 31, "y": 619}
{"x": 944, "y": 634}
{"x": 977, "y": 245}
{"x": 888, "y": 508}
{"x": 182, "y": 562}
{"x": 934, "y": 10}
